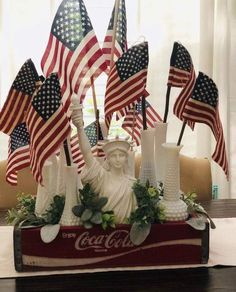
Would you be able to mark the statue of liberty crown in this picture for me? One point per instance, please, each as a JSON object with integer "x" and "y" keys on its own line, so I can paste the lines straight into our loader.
{"x": 116, "y": 144}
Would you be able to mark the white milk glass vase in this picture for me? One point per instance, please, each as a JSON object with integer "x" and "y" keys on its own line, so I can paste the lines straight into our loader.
{"x": 68, "y": 218}
{"x": 147, "y": 170}
{"x": 131, "y": 163}
{"x": 160, "y": 138}
{"x": 44, "y": 195}
{"x": 61, "y": 184}
{"x": 175, "y": 208}
{"x": 53, "y": 174}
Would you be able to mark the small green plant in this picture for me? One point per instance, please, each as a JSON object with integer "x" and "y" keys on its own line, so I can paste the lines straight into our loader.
{"x": 54, "y": 212}
{"x": 23, "y": 214}
{"x": 195, "y": 210}
{"x": 90, "y": 209}
{"x": 147, "y": 212}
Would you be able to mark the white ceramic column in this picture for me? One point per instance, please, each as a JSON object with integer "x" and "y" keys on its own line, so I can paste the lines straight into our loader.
{"x": 175, "y": 208}
{"x": 71, "y": 200}
{"x": 160, "y": 138}
{"x": 147, "y": 170}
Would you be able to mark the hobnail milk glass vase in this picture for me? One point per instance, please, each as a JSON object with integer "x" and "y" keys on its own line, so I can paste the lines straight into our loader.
{"x": 61, "y": 184}
{"x": 147, "y": 170}
{"x": 53, "y": 174}
{"x": 68, "y": 218}
{"x": 160, "y": 138}
{"x": 175, "y": 208}
{"x": 131, "y": 163}
{"x": 44, "y": 195}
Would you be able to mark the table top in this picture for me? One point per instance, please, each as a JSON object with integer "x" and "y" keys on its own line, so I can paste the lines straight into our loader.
{"x": 193, "y": 279}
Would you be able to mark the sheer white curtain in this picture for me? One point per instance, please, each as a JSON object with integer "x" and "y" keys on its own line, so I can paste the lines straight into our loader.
{"x": 207, "y": 28}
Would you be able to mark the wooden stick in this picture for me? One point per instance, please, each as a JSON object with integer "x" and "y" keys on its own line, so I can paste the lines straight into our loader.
{"x": 181, "y": 133}
{"x": 167, "y": 103}
{"x": 133, "y": 121}
{"x": 144, "y": 113}
{"x": 94, "y": 97}
{"x": 67, "y": 153}
{"x": 117, "y": 4}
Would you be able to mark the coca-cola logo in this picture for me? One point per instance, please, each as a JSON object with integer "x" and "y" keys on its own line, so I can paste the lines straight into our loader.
{"x": 115, "y": 239}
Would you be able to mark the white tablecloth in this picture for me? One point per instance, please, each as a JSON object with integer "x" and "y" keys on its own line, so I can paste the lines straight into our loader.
{"x": 222, "y": 252}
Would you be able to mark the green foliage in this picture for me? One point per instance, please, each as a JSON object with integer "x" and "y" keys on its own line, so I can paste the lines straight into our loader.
{"x": 148, "y": 210}
{"x": 195, "y": 209}
{"x": 90, "y": 209}
{"x": 23, "y": 214}
{"x": 54, "y": 212}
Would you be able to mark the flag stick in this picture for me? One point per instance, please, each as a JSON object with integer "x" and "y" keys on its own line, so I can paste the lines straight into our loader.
{"x": 133, "y": 121}
{"x": 167, "y": 103}
{"x": 181, "y": 133}
{"x": 144, "y": 113}
{"x": 67, "y": 153}
{"x": 96, "y": 110}
{"x": 94, "y": 96}
{"x": 97, "y": 128}
{"x": 117, "y": 4}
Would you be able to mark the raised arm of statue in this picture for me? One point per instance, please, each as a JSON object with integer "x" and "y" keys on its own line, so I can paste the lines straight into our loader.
{"x": 85, "y": 148}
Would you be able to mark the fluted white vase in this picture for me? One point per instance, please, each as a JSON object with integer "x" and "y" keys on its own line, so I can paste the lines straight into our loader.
{"x": 160, "y": 138}
{"x": 147, "y": 170}
{"x": 44, "y": 195}
{"x": 71, "y": 200}
{"x": 61, "y": 182}
{"x": 175, "y": 208}
{"x": 131, "y": 163}
{"x": 53, "y": 174}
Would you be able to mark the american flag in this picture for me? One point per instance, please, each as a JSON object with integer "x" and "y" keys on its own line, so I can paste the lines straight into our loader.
{"x": 181, "y": 74}
{"x": 202, "y": 107}
{"x": 73, "y": 51}
{"x": 133, "y": 121}
{"x": 47, "y": 123}
{"x": 127, "y": 80}
{"x": 120, "y": 45}
{"x": 18, "y": 152}
{"x": 19, "y": 98}
{"x": 180, "y": 66}
{"x": 95, "y": 141}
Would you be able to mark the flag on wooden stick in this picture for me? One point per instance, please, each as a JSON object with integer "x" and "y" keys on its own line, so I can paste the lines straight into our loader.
{"x": 180, "y": 66}
{"x": 116, "y": 35}
{"x": 133, "y": 121}
{"x": 95, "y": 138}
{"x": 181, "y": 74}
{"x": 73, "y": 51}
{"x": 19, "y": 98}
{"x": 47, "y": 123}
{"x": 202, "y": 107}
{"x": 127, "y": 80}
{"x": 18, "y": 152}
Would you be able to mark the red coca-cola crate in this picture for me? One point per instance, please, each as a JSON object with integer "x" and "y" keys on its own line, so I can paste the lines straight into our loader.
{"x": 80, "y": 248}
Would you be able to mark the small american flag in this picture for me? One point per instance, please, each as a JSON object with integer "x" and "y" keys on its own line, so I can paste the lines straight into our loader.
{"x": 120, "y": 45}
{"x": 181, "y": 74}
{"x": 18, "y": 152}
{"x": 47, "y": 123}
{"x": 180, "y": 66}
{"x": 133, "y": 121}
{"x": 19, "y": 98}
{"x": 73, "y": 51}
{"x": 202, "y": 107}
{"x": 127, "y": 80}
{"x": 95, "y": 141}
